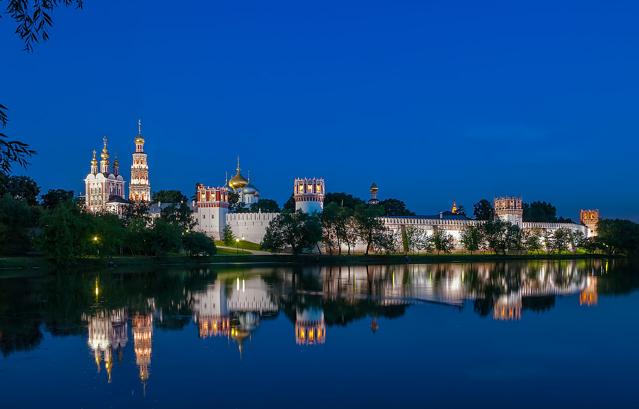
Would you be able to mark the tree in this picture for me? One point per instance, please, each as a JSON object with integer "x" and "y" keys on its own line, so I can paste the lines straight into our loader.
{"x": 471, "y": 238}
{"x": 618, "y": 236}
{"x": 20, "y": 188}
{"x": 169, "y": 196}
{"x": 107, "y": 234}
{"x": 289, "y": 204}
{"x": 532, "y": 241}
{"x": 136, "y": 211}
{"x": 442, "y": 241}
{"x": 179, "y": 214}
{"x": 165, "y": 237}
{"x": 33, "y": 20}
{"x": 561, "y": 239}
{"x": 330, "y": 222}
{"x": 265, "y": 206}
{"x": 298, "y": 230}
{"x": 55, "y": 197}
{"x": 227, "y": 236}
{"x": 502, "y": 236}
{"x": 16, "y": 222}
{"x": 539, "y": 212}
{"x": 342, "y": 199}
{"x": 65, "y": 234}
{"x": 395, "y": 207}
{"x": 371, "y": 230}
{"x": 483, "y": 210}
{"x": 198, "y": 244}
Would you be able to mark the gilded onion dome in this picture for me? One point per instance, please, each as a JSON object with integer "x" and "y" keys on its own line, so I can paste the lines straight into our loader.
{"x": 105, "y": 153}
{"x": 139, "y": 139}
{"x": 238, "y": 181}
{"x": 374, "y": 187}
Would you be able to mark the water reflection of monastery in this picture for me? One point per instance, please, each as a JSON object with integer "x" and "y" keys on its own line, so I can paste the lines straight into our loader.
{"x": 313, "y": 299}
{"x": 108, "y": 335}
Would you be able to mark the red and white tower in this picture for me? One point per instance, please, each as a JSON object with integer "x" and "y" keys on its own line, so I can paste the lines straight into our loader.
{"x": 212, "y": 206}
{"x": 309, "y": 195}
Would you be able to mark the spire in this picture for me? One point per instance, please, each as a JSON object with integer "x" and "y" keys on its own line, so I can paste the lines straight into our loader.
{"x": 139, "y": 127}
{"x": 116, "y": 166}
{"x": 226, "y": 178}
{"x": 94, "y": 164}
{"x": 249, "y": 177}
{"x": 238, "y": 165}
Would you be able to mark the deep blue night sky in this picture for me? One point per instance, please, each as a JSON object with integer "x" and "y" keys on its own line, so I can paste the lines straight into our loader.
{"x": 433, "y": 100}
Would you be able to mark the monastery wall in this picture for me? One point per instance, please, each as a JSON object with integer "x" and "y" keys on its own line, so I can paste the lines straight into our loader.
{"x": 251, "y": 226}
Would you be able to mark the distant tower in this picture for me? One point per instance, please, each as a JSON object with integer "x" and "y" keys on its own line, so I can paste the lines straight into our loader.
{"x": 309, "y": 195}
{"x": 509, "y": 209}
{"x": 374, "y": 189}
{"x": 140, "y": 187}
{"x": 589, "y": 218}
{"x": 453, "y": 209}
{"x": 212, "y": 206}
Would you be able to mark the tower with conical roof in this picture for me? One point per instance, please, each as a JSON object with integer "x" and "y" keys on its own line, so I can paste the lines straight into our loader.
{"x": 373, "y": 189}
{"x": 140, "y": 187}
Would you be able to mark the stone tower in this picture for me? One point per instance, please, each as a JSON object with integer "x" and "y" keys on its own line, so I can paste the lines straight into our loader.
{"x": 509, "y": 209}
{"x": 589, "y": 218}
{"x": 309, "y": 195}
{"x": 140, "y": 187}
{"x": 212, "y": 206}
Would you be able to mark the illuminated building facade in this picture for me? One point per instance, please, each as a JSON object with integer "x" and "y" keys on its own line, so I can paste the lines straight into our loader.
{"x": 104, "y": 186}
{"x": 590, "y": 219}
{"x": 310, "y": 328}
{"x": 140, "y": 187}
{"x": 142, "y": 343}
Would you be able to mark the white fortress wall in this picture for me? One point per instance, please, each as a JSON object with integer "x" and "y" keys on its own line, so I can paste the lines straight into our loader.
{"x": 251, "y": 226}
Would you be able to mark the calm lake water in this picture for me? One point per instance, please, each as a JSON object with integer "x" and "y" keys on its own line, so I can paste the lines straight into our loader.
{"x": 498, "y": 335}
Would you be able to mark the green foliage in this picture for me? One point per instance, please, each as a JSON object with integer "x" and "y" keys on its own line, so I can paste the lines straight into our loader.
{"x": 265, "y": 206}
{"x": 539, "y": 212}
{"x": 618, "y": 236}
{"x": 343, "y": 200}
{"x": 169, "y": 196}
{"x": 501, "y": 236}
{"x": 299, "y": 231}
{"x": 532, "y": 241}
{"x": 227, "y": 236}
{"x": 483, "y": 210}
{"x": 472, "y": 238}
{"x": 66, "y": 234}
{"x": 179, "y": 214}
{"x": 395, "y": 207}
{"x": 290, "y": 204}
{"x": 136, "y": 211}
{"x": 371, "y": 231}
{"x": 164, "y": 238}
{"x": 55, "y": 197}
{"x": 198, "y": 244}
{"x": 20, "y": 188}
{"x": 107, "y": 234}
{"x": 16, "y": 223}
{"x": 442, "y": 241}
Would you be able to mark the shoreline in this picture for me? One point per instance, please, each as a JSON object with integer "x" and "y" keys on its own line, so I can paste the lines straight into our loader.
{"x": 8, "y": 264}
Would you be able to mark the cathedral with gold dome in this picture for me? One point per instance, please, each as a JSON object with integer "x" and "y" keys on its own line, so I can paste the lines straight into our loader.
{"x": 247, "y": 193}
{"x": 104, "y": 189}
{"x": 104, "y": 185}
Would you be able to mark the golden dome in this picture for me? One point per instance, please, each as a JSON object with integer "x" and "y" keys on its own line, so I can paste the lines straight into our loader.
{"x": 238, "y": 181}
{"x": 105, "y": 153}
{"x": 374, "y": 187}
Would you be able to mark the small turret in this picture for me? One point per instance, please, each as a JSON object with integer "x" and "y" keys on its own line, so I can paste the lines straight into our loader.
{"x": 454, "y": 209}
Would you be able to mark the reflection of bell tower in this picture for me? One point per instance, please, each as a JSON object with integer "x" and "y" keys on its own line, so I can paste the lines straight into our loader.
{"x": 589, "y": 296}
{"x": 508, "y": 308}
{"x": 310, "y": 328}
{"x": 142, "y": 338}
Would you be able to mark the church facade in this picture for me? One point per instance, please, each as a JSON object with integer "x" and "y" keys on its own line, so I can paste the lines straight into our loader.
{"x": 104, "y": 186}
